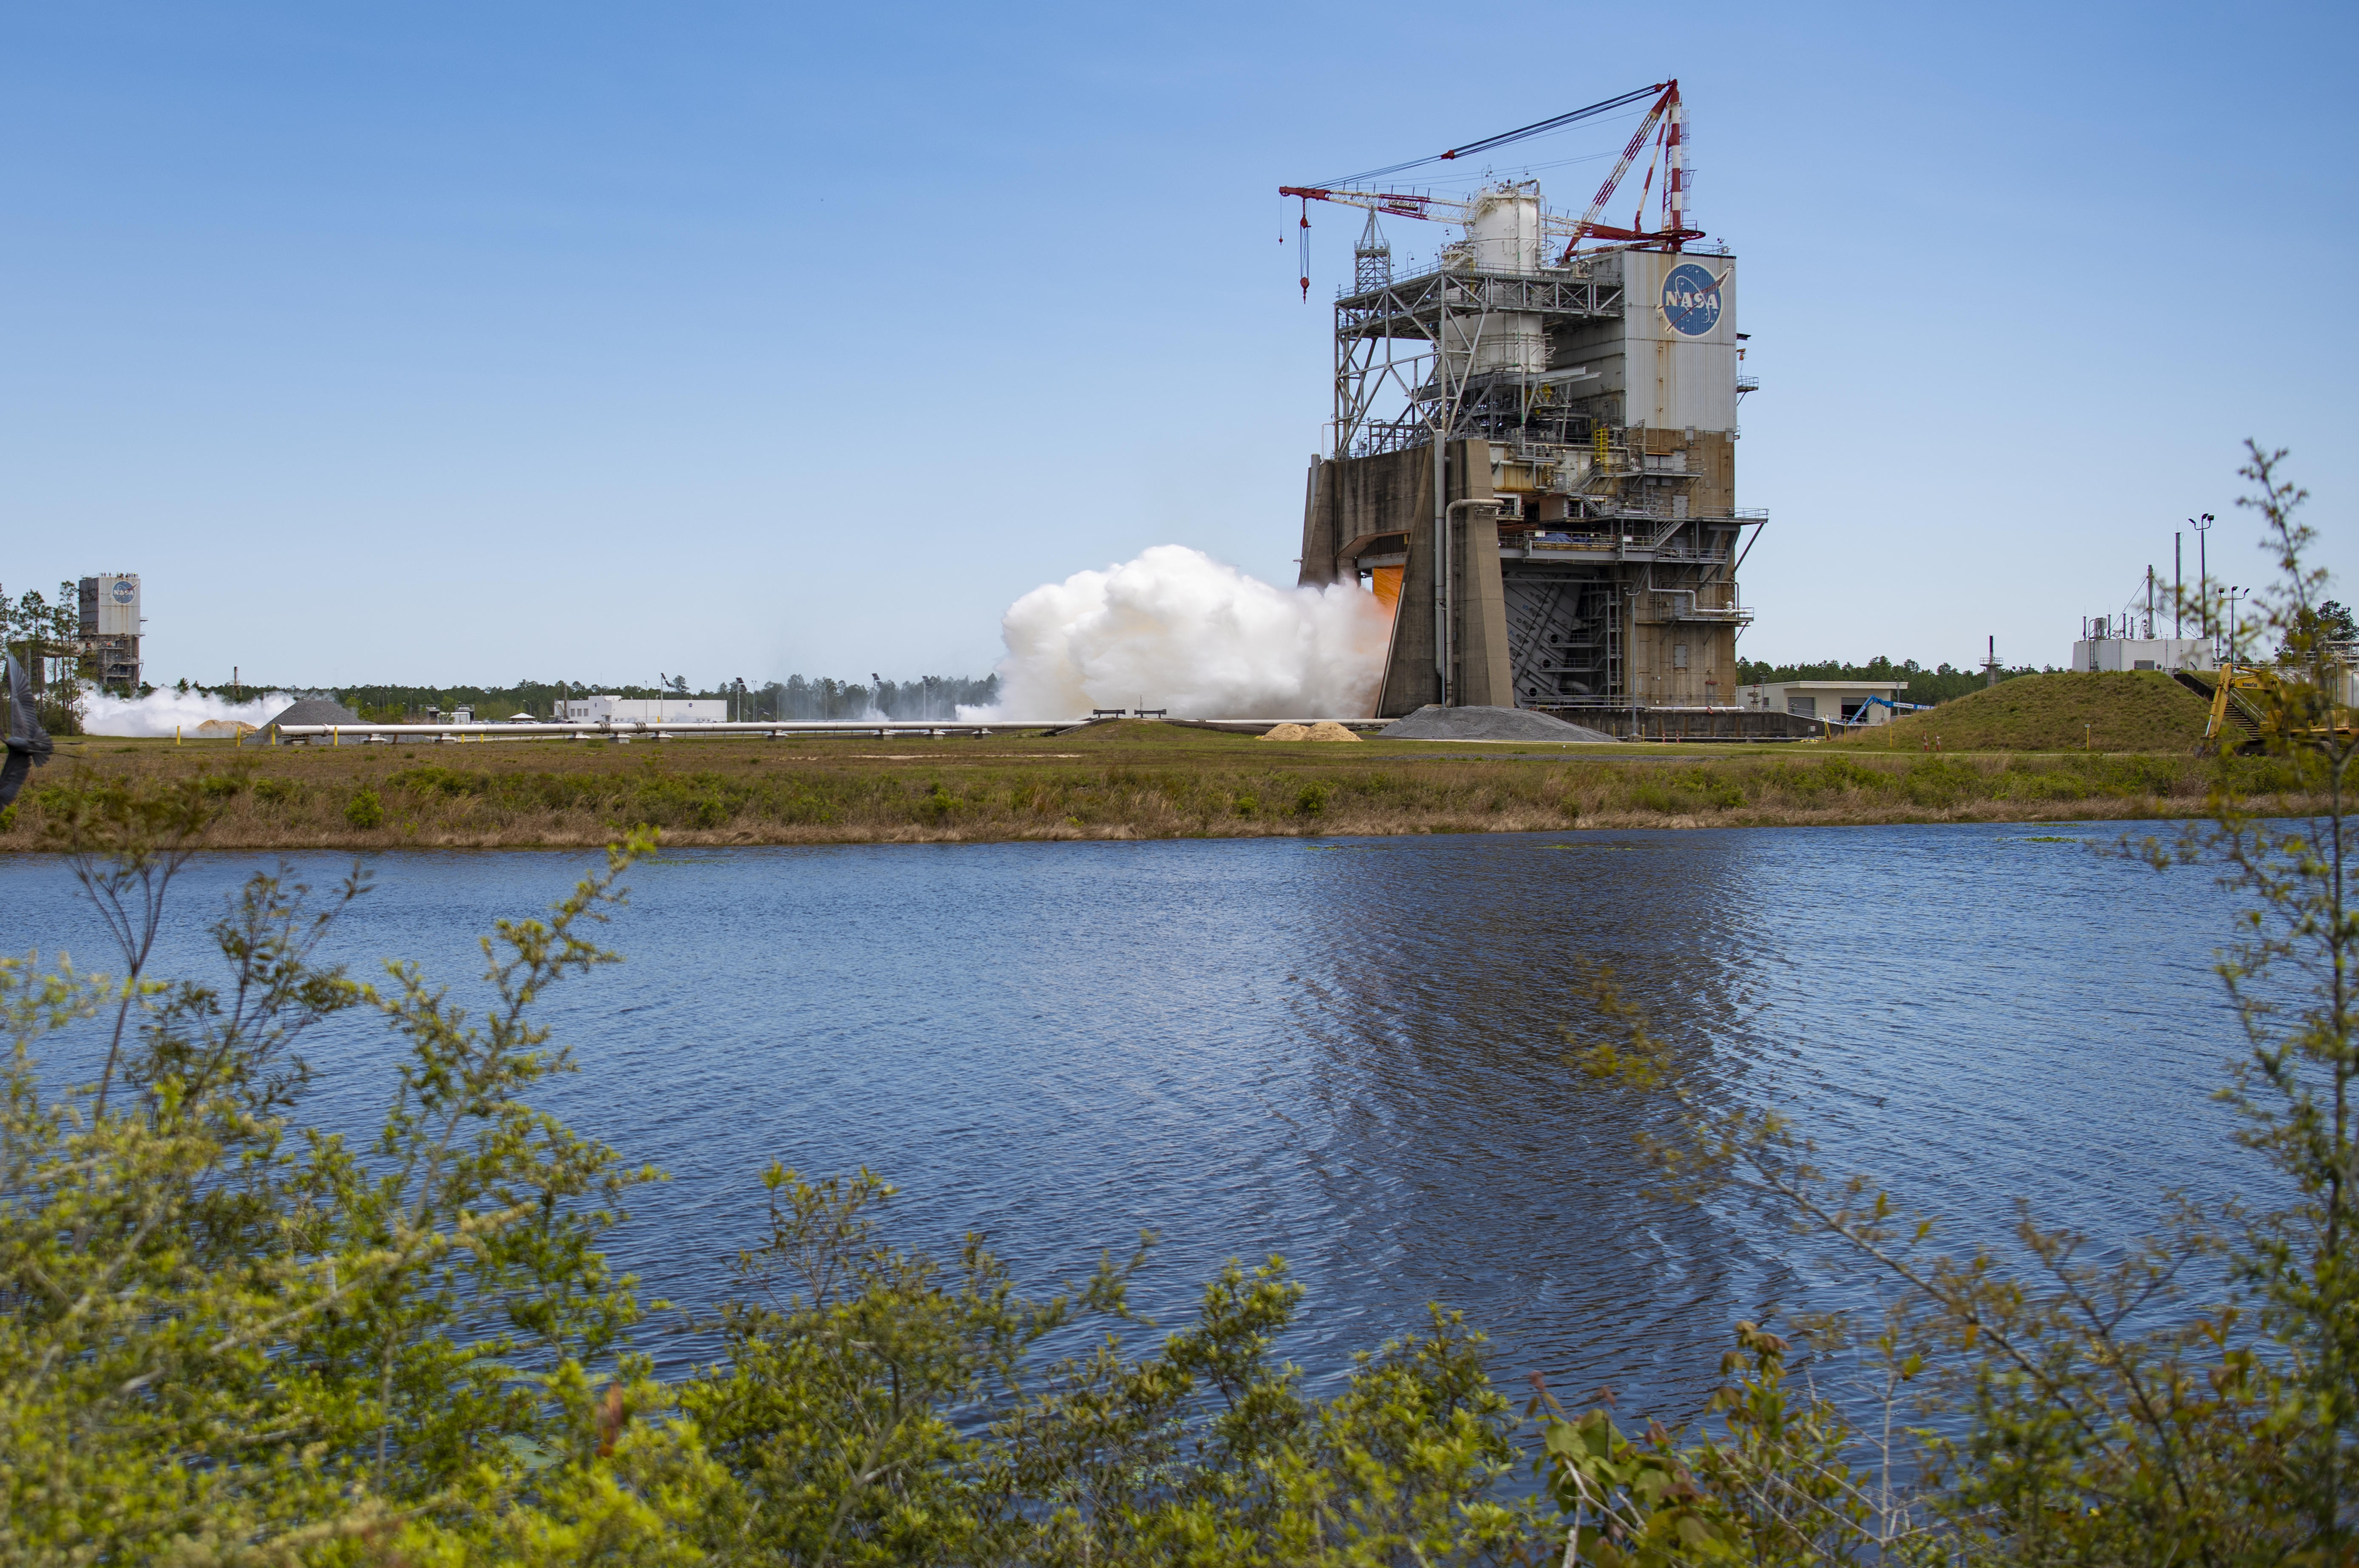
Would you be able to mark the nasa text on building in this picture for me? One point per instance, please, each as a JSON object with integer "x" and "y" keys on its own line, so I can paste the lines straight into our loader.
{"x": 110, "y": 627}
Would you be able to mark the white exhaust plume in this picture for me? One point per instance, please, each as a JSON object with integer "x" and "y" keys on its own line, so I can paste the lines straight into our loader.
{"x": 163, "y": 713}
{"x": 1177, "y": 630}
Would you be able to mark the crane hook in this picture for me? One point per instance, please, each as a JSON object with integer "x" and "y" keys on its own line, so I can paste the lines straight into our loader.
{"x": 1306, "y": 250}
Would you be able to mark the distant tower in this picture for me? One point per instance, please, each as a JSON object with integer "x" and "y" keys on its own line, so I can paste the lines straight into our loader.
{"x": 110, "y": 627}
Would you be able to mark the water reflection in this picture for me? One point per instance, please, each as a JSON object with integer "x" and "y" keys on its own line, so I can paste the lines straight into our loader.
{"x": 1346, "y": 1052}
{"x": 1463, "y": 1160}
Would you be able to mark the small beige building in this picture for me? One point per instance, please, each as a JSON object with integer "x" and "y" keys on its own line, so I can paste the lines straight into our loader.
{"x": 1840, "y": 701}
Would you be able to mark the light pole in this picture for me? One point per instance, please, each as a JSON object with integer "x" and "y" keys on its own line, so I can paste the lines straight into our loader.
{"x": 2232, "y": 595}
{"x": 2202, "y": 526}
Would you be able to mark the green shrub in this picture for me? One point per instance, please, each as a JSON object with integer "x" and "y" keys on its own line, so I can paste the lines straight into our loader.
{"x": 366, "y": 809}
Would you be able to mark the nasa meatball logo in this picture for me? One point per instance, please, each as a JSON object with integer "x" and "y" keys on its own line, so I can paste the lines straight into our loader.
{"x": 1691, "y": 300}
{"x": 122, "y": 592}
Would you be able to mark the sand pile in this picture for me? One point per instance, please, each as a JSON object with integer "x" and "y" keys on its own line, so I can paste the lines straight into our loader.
{"x": 1325, "y": 729}
{"x": 1434, "y": 722}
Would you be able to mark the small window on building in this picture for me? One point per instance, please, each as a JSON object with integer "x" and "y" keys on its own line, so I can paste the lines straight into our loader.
{"x": 1806, "y": 706}
{"x": 1679, "y": 655}
{"x": 2144, "y": 664}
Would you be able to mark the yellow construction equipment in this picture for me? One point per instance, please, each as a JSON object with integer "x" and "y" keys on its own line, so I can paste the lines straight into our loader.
{"x": 2252, "y": 705}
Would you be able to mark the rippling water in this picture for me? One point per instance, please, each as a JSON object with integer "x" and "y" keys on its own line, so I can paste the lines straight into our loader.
{"x": 1344, "y": 1051}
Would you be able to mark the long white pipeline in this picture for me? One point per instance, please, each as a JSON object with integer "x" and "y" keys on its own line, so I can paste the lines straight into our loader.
{"x": 775, "y": 727}
{"x": 683, "y": 727}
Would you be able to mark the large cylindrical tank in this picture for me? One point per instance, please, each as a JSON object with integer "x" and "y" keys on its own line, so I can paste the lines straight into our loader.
{"x": 1506, "y": 227}
{"x": 1502, "y": 235}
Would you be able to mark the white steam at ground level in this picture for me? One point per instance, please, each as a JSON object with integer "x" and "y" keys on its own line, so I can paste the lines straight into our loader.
{"x": 162, "y": 713}
{"x": 1177, "y": 630}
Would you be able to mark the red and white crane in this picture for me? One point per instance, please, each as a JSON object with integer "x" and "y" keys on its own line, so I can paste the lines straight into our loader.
{"x": 1665, "y": 121}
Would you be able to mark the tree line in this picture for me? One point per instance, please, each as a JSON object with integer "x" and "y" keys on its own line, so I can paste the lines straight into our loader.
{"x": 798, "y": 697}
{"x": 1942, "y": 683}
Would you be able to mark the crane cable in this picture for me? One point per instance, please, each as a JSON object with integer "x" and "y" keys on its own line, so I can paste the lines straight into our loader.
{"x": 1501, "y": 140}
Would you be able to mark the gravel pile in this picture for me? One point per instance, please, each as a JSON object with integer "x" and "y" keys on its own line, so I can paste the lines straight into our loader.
{"x": 1325, "y": 729}
{"x": 1434, "y": 722}
{"x": 316, "y": 710}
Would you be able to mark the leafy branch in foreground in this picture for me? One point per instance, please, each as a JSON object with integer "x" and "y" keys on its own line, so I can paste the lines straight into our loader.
{"x": 2083, "y": 1403}
{"x": 232, "y": 1339}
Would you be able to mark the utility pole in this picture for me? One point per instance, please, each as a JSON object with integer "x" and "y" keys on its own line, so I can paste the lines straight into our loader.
{"x": 2149, "y": 604}
{"x": 2202, "y": 526}
{"x": 2177, "y": 588}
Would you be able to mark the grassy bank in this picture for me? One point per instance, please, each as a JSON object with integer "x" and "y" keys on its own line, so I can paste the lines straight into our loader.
{"x": 2141, "y": 711}
{"x": 1134, "y": 781}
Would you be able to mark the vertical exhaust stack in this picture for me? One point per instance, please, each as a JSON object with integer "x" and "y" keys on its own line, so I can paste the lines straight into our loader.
{"x": 1675, "y": 165}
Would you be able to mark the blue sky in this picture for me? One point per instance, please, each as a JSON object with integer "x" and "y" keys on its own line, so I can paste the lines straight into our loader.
{"x": 443, "y": 343}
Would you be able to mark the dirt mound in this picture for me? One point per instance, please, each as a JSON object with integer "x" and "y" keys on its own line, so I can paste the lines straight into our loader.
{"x": 1434, "y": 722}
{"x": 2068, "y": 711}
{"x": 1325, "y": 729}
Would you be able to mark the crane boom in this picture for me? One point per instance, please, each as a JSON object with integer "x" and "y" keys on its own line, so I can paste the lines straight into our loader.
{"x": 1589, "y": 225}
{"x": 1452, "y": 210}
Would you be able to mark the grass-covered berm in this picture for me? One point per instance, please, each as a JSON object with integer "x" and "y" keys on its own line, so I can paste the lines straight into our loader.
{"x": 1128, "y": 780}
{"x": 2140, "y": 710}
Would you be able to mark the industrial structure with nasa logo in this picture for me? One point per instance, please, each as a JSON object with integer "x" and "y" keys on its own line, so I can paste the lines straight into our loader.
{"x": 110, "y": 624}
{"x": 1532, "y": 453}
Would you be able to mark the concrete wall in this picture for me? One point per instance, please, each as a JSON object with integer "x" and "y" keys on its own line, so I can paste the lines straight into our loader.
{"x": 1353, "y": 498}
{"x": 1480, "y": 676}
{"x": 1350, "y": 498}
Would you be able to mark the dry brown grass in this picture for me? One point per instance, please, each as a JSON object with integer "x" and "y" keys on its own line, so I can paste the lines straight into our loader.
{"x": 1147, "y": 782}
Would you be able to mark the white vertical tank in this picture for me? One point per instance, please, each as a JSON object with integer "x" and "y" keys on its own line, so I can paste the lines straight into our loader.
{"x": 1504, "y": 231}
{"x": 1502, "y": 234}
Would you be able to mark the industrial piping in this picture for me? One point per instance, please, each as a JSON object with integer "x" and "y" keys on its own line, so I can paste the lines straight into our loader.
{"x": 608, "y": 729}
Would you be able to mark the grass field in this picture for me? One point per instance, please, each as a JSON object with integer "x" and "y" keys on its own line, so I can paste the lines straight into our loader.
{"x": 2141, "y": 711}
{"x": 1128, "y": 780}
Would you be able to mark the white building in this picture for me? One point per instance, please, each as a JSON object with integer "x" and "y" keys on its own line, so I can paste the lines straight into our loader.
{"x": 643, "y": 711}
{"x": 1843, "y": 701}
{"x": 2141, "y": 654}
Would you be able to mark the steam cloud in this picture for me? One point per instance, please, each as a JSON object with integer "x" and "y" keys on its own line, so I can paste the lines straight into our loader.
{"x": 159, "y": 713}
{"x": 1177, "y": 630}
